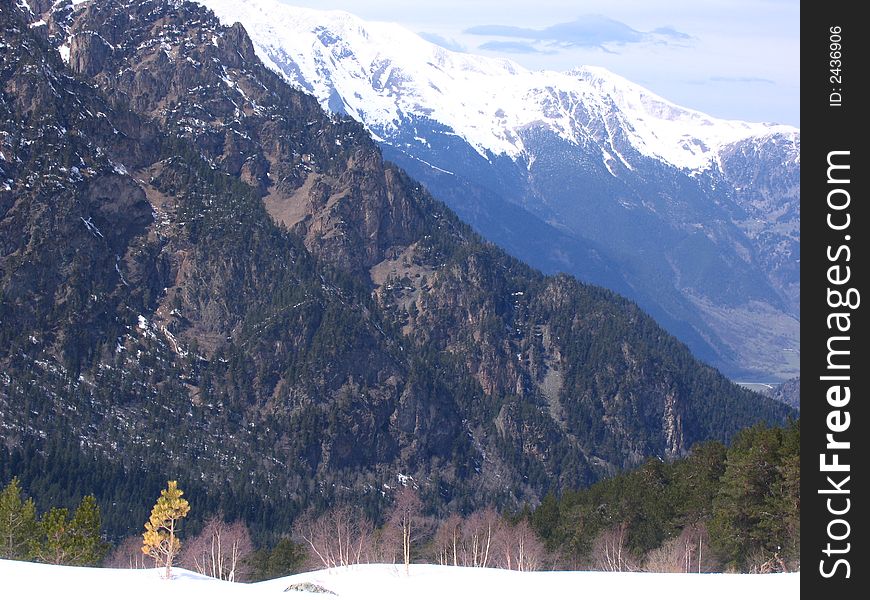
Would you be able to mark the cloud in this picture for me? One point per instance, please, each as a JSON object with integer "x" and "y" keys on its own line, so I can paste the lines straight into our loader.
{"x": 513, "y": 48}
{"x": 672, "y": 33}
{"x": 438, "y": 40}
{"x": 590, "y": 31}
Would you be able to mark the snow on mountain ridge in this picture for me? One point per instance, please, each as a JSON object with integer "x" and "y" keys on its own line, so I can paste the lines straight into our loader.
{"x": 383, "y": 74}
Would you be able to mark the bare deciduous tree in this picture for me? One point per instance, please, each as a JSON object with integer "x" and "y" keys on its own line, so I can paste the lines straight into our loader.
{"x": 218, "y": 551}
{"x": 406, "y": 518}
{"x": 609, "y": 551}
{"x": 670, "y": 557}
{"x": 387, "y": 546}
{"x": 477, "y": 538}
{"x": 484, "y": 539}
{"x": 343, "y": 536}
{"x": 764, "y": 562}
{"x": 517, "y": 547}
{"x": 128, "y": 555}
{"x": 687, "y": 553}
{"x": 448, "y": 540}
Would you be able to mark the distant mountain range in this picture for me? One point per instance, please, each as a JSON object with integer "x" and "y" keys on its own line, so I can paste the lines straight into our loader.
{"x": 695, "y": 218}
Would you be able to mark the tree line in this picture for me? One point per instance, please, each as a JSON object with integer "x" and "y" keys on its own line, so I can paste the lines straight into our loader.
{"x": 735, "y": 508}
{"x": 731, "y": 509}
{"x": 55, "y": 537}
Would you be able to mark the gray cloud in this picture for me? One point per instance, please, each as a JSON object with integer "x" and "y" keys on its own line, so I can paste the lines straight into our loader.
{"x": 672, "y": 33}
{"x": 439, "y": 40}
{"x": 590, "y": 31}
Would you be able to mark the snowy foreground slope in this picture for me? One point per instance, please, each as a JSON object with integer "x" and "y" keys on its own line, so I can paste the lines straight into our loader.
{"x": 388, "y": 582}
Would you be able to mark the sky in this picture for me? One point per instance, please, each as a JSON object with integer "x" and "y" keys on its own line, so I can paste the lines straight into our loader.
{"x": 735, "y": 59}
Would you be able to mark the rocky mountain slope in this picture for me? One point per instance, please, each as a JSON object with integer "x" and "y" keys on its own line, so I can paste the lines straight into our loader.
{"x": 789, "y": 393}
{"x": 695, "y": 218}
{"x": 207, "y": 278}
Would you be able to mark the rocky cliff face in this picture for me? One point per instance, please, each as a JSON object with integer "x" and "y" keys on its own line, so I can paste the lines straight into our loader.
{"x": 789, "y": 393}
{"x": 206, "y": 277}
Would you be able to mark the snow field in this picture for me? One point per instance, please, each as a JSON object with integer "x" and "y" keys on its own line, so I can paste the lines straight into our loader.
{"x": 389, "y": 582}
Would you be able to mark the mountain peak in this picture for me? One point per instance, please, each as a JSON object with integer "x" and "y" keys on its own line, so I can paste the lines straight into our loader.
{"x": 384, "y": 75}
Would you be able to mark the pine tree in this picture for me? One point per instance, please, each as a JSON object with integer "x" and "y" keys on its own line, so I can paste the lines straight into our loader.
{"x": 160, "y": 539}
{"x": 753, "y": 510}
{"x": 17, "y": 523}
{"x": 76, "y": 541}
{"x": 53, "y": 544}
{"x": 285, "y": 558}
{"x": 87, "y": 545}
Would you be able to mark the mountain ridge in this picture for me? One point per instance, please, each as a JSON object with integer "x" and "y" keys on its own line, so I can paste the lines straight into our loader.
{"x": 393, "y": 84}
{"x": 534, "y": 160}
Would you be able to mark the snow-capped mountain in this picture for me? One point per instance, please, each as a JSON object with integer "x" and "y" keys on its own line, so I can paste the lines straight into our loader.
{"x": 383, "y": 75}
{"x": 694, "y": 217}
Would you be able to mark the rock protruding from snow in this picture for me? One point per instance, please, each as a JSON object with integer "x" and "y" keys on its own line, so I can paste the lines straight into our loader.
{"x": 307, "y": 586}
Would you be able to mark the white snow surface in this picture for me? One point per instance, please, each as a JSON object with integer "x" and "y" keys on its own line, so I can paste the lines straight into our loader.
{"x": 385, "y": 73}
{"x": 389, "y": 582}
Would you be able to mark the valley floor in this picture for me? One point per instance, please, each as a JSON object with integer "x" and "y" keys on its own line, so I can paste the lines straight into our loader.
{"x": 388, "y": 582}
